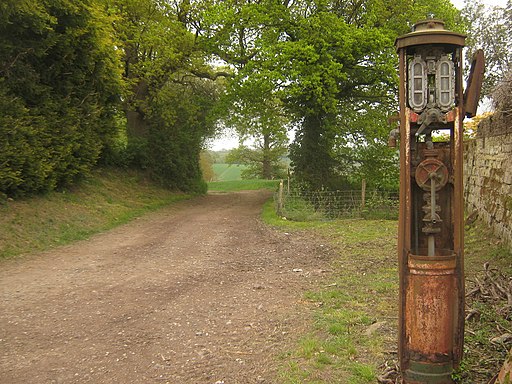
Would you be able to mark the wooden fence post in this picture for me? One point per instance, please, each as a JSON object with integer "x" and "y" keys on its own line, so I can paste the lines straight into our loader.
{"x": 289, "y": 177}
{"x": 363, "y": 193}
{"x": 280, "y": 198}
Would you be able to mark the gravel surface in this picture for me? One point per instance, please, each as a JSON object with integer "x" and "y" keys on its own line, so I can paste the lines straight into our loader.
{"x": 201, "y": 292}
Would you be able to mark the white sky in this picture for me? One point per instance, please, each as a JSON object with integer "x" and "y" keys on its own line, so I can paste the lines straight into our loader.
{"x": 224, "y": 142}
{"x": 460, "y": 3}
{"x": 229, "y": 141}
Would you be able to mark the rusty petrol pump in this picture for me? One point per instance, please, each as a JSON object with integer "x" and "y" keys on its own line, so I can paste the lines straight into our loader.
{"x": 430, "y": 241}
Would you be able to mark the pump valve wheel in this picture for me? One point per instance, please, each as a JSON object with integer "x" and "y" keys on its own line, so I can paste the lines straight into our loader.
{"x": 430, "y": 169}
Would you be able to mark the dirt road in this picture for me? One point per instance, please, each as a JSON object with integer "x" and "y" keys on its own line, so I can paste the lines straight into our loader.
{"x": 202, "y": 292}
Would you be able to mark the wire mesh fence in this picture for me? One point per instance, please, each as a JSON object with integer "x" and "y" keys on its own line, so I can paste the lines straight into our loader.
{"x": 302, "y": 205}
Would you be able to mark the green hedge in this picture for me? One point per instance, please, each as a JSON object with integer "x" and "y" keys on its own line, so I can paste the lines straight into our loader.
{"x": 59, "y": 83}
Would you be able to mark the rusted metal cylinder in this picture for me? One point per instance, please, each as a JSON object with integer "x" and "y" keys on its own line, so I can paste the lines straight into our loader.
{"x": 430, "y": 319}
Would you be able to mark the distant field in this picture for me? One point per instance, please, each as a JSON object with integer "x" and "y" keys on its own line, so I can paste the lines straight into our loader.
{"x": 228, "y": 172}
{"x": 228, "y": 178}
{"x": 242, "y": 185}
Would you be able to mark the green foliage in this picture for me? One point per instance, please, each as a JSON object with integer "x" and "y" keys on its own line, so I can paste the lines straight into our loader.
{"x": 219, "y": 157}
{"x": 337, "y": 64}
{"x": 176, "y": 135}
{"x": 168, "y": 107}
{"x": 259, "y": 163}
{"x": 312, "y": 154}
{"x": 344, "y": 86}
{"x": 362, "y": 152}
{"x": 59, "y": 84}
{"x": 323, "y": 67}
{"x": 330, "y": 65}
{"x": 238, "y": 32}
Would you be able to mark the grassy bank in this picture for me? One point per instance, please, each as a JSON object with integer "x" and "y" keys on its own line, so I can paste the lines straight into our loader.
{"x": 106, "y": 199}
{"x": 353, "y": 333}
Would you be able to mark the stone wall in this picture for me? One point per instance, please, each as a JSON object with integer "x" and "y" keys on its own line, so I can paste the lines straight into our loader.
{"x": 488, "y": 175}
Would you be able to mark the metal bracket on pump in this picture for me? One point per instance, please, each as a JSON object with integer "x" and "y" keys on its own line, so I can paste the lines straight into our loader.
{"x": 430, "y": 116}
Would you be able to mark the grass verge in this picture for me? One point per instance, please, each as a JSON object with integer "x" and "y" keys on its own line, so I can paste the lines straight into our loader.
{"x": 353, "y": 333}
{"x": 354, "y": 322}
{"x": 106, "y": 199}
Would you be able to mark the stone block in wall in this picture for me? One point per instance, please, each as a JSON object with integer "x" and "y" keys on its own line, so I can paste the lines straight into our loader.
{"x": 496, "y": 125}
{"x": 506, "y": 180}
{"x": 506, "y": 192}
{"x": 493, "y": 149}
{"x": 499, "y": 214}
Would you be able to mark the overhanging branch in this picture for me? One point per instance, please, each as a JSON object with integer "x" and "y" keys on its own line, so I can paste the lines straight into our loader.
{"x": 211, "y": 75}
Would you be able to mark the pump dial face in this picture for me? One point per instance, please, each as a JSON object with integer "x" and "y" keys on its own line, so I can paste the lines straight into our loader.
{"x": 431, "y": 169}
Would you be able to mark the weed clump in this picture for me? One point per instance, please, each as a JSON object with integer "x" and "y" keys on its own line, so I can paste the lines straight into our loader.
{"x": 488, "y": 336}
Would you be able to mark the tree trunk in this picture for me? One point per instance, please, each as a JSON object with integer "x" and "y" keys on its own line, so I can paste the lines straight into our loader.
{"x": 311, "y": 153}
{"x": 136, "y": 125}
{"x": 267, "y": 163}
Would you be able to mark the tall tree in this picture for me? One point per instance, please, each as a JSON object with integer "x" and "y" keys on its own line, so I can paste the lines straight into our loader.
{"x": 489, "y": 29}
{"x": 335, "y": 64}
{"x": 258, "y": 116}
{"x": 344, "y": 70}
{"x": 322, "y": 59}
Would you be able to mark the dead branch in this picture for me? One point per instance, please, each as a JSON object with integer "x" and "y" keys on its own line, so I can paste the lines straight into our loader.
{"x": 13, "y": 62}
{"x": 474, "y": 313}
{"x": 390, "y": 374}
{"x": 473, "y": 292}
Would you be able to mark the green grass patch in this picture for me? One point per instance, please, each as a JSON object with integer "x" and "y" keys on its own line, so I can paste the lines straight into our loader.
{"x": 242, "y": 185}
{"x": 106, "y": 199}
{"x": 361, "y": 373}
{"x": 301, "y": 210}
{"x": 363, "y": 290}
{"x": 270, "y": 217}
{"x": 354, "y": 326}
